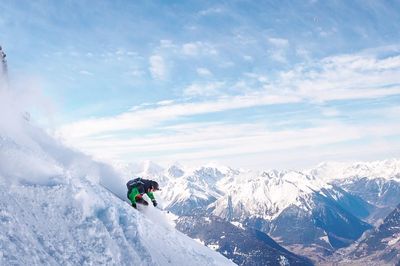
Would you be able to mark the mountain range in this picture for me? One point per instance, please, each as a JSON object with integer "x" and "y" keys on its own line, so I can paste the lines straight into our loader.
{"x": 314, "y": 212}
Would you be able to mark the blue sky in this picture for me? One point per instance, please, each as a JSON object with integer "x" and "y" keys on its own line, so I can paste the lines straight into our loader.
{"x": 253, "y": 84}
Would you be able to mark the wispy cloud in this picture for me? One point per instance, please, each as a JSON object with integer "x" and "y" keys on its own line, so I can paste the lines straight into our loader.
{"x": 158, "y": 68}
{"x": 279, "y": 49}
{"x": 204, "y": 72}
{"x": 334, "y": 78}
{"x": 211, "y": 11}
{"x": 150, "y": 117}
{"x": 279, "y": 42}
{"x": 344, "y": 77}
{"x": 205, "y": 89}
{"x": 206, "y": 141}
{"x": 198, "y": 48}
{"x": 86, "y": 73}
{"x": 191, "y": 49}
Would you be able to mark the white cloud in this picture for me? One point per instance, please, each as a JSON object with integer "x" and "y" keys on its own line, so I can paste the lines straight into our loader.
{"x": 166, "y": 102}
{"x": 204, "y": 72}
{"x": 205, "y": 141}
{"x": 336, "y": 80}
{"x": 158, "y": 68}
{"x": 279, "y": 49}
{"x": 211, "y": 11}
{"x": 226, "y": 64}
{"x": 86, "y": 73}
{"x": 248, "y": 58}
{"x": 198, "y": 48}
{"x": 167, "y": 44}
{"x": 206, "y": 89}
{"x": 278, "y": 56}
{"x": 345, "y": 77}
{"x": 152, "y": 116}
{"x": 137, "y": 73}
{"x": 330, "y": 112}
{"x": 302, "y": 52}
{"x": 191, "y": 49}
{"x": 279, "y": 42}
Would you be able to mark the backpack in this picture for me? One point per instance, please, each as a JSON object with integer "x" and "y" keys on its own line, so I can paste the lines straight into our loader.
{"x": 133, "y": 183}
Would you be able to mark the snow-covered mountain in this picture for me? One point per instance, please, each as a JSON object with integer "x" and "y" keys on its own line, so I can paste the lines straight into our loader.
{"x": 275, "y": 201}
{"x": 380, "y": 194}
{"x": 387, "y": 169}
{"x": 315, "y": 211}
{"x": 55, "y": 208}
{"x": 263, "y": 195}
{"x": 192, "y": 193}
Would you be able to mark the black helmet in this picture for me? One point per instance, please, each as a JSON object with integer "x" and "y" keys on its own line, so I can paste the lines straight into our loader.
{"x": 155, "y": 185}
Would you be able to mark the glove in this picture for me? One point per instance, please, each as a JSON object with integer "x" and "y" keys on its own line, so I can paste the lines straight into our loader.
{"x": 142, "y": 201}
{"x": 134, "y": 205}
{"x": 154, "y": 203}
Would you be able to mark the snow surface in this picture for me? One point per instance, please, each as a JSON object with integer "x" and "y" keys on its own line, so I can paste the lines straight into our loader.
{"x": 55, "y": 209}
{"x": 394, "y": 240}
{"x": 237, "y": 224}
{"x": 213, "y": 246}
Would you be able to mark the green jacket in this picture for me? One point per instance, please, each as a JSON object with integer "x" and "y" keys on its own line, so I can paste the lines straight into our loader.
{"x": 138, "y": 191}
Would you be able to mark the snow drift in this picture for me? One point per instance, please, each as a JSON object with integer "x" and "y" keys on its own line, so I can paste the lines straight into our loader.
{"x": 54, "y": 208}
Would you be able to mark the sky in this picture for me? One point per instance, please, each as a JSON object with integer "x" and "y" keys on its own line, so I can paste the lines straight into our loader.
{"x": 248, "y": 84}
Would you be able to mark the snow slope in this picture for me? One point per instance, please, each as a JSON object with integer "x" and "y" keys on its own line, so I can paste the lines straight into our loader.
{"x": 54, "y": 210}
{"x": 81, "y": 223}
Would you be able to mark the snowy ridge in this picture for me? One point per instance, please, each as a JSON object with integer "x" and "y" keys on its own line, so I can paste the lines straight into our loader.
{"x": 267, "y": 194}
{"x": 54, "y": 211}
{"x": 196, "y": 188}
{"x": 387, "y": 169}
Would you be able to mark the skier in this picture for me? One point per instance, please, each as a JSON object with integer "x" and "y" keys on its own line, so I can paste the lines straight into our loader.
{"x": 138, "y": 187}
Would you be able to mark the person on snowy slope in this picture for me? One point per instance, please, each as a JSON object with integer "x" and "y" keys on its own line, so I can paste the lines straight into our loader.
{"x": 138, "y": 187}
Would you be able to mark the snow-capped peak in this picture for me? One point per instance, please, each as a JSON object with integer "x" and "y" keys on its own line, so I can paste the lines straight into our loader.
{"x": 328, "y": 171}
{"x": 176, "y": 170}
{"x": 264, "y": 195}
{"x": 150, "y": 168}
